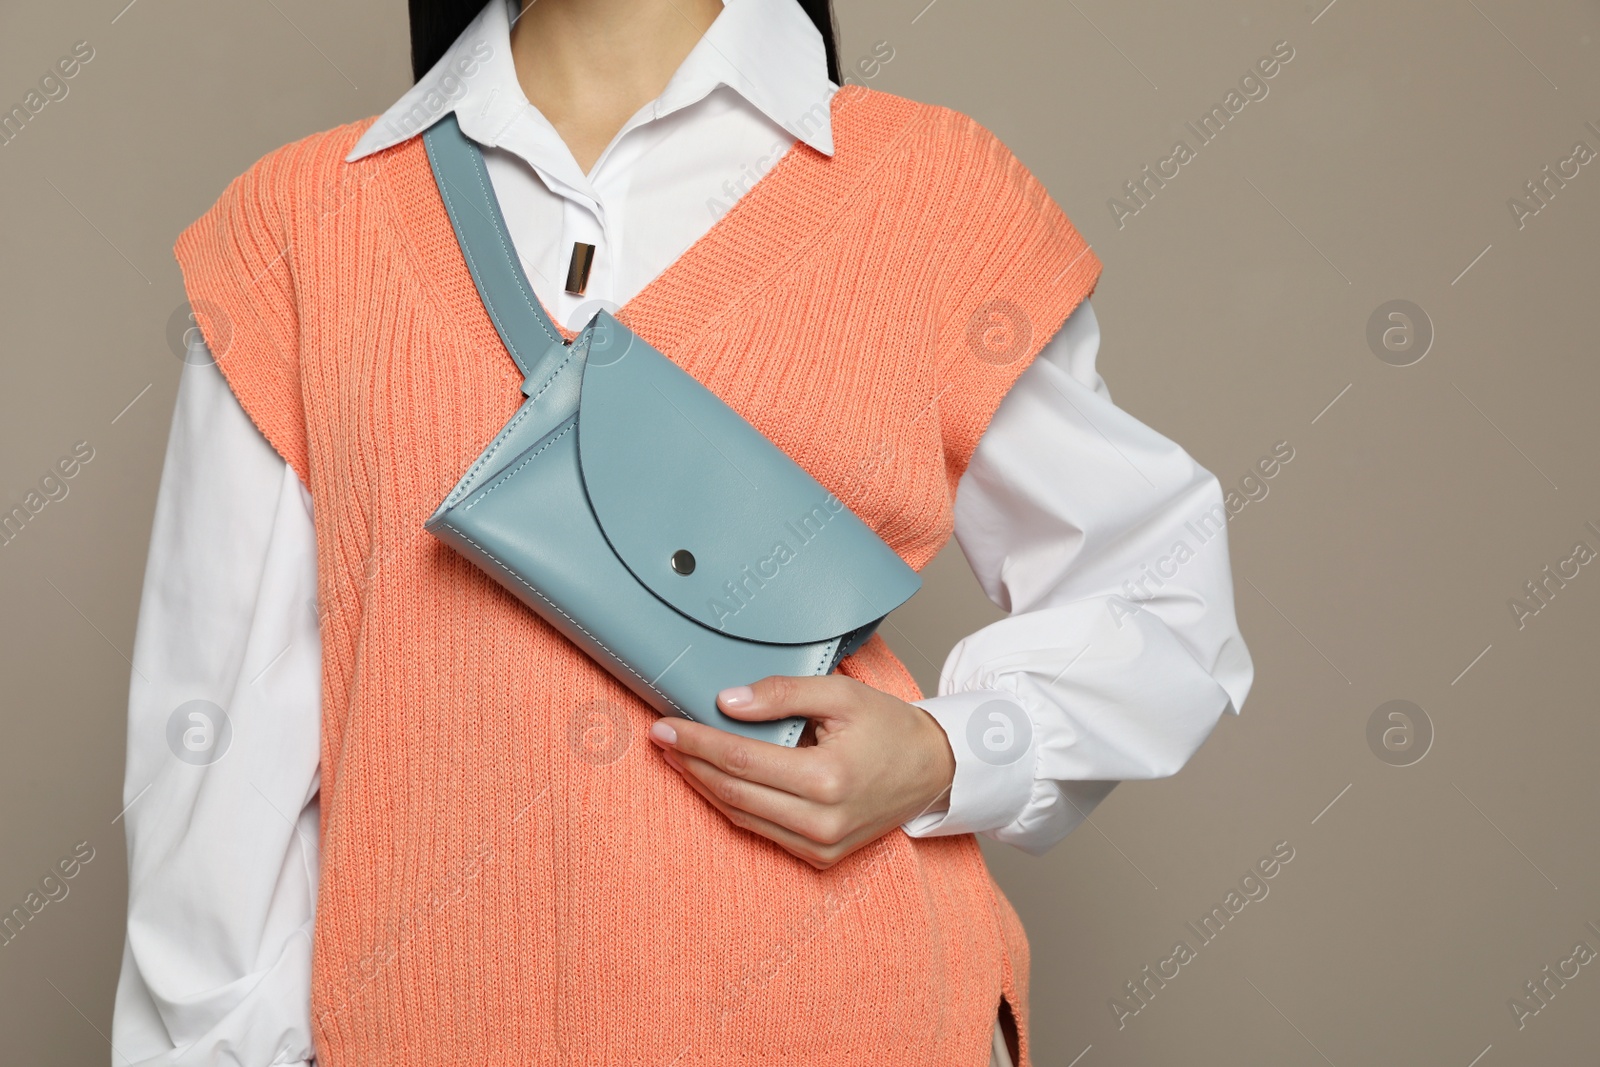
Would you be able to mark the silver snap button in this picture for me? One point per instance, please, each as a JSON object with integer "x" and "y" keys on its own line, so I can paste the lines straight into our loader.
{"x": 683, "y": 561}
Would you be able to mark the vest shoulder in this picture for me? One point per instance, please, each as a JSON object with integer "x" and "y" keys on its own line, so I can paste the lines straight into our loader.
{"x": 936, "y": 155}
{"x": 314, "y": 153}
{"x": 934, "y": 129}
{"x": 300, "y": 172}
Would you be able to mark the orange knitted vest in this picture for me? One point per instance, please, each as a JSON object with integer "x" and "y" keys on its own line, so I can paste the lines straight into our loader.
{"x": 510, "y": 873}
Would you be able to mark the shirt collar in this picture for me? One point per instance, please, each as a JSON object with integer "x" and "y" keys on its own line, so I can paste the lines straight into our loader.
{"x": 768, "y": 51}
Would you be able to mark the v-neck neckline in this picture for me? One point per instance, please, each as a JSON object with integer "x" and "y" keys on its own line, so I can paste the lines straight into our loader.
{"x": 666, "y": 277}
{"x": 766, "y": 227}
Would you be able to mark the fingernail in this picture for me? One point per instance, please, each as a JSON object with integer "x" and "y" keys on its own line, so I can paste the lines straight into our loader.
{"x": 738, "y": 696}
{"x": 662, "y": 731}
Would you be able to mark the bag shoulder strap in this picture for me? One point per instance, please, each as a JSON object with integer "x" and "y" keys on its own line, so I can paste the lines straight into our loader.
{"x": 480, "y": 228}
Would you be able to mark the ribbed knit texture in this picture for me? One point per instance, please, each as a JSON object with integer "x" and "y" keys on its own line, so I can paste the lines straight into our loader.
{"x": 510, "y": 874}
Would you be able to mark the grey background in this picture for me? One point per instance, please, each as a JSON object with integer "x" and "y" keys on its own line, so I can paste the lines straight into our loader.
{"x": 1235, "y": 308}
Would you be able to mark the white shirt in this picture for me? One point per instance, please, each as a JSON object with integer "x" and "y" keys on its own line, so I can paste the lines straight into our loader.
{"x": 1065, "y": 503}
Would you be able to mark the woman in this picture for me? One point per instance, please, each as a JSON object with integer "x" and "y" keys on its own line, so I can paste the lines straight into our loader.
{"x": 426, "y": 829}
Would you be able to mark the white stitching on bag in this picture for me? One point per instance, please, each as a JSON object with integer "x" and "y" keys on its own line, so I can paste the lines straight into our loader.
{"x": 505, "y": 433}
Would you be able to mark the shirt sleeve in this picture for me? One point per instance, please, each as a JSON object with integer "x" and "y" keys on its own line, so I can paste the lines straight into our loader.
{"x": 221, "y": 784}
{"x": 1107, "y": 544}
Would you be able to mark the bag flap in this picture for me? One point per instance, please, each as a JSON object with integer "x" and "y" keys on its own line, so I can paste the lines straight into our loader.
{"x": 672, "y": 473}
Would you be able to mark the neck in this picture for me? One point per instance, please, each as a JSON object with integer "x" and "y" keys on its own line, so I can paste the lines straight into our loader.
{"x": 589, "y": 65}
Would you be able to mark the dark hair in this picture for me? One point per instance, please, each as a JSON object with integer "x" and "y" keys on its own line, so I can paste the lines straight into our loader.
{"x": 435, "y": 24}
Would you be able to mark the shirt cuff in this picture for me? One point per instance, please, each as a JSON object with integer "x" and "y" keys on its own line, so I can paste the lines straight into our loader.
{"x": 995, "y": 746}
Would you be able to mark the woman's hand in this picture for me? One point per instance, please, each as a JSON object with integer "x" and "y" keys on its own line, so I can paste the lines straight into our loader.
{"x": 878, "y": 762}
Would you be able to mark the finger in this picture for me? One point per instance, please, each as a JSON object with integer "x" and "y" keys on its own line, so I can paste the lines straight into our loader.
{"x": 778, "y": 696}
{"x": 817, "y": 855}
{"x": 819, "y": 823}
{"x": 792, "y": 770}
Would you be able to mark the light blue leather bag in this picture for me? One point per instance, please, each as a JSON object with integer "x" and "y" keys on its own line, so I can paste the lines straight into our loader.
{"x": 642, "y": 517}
